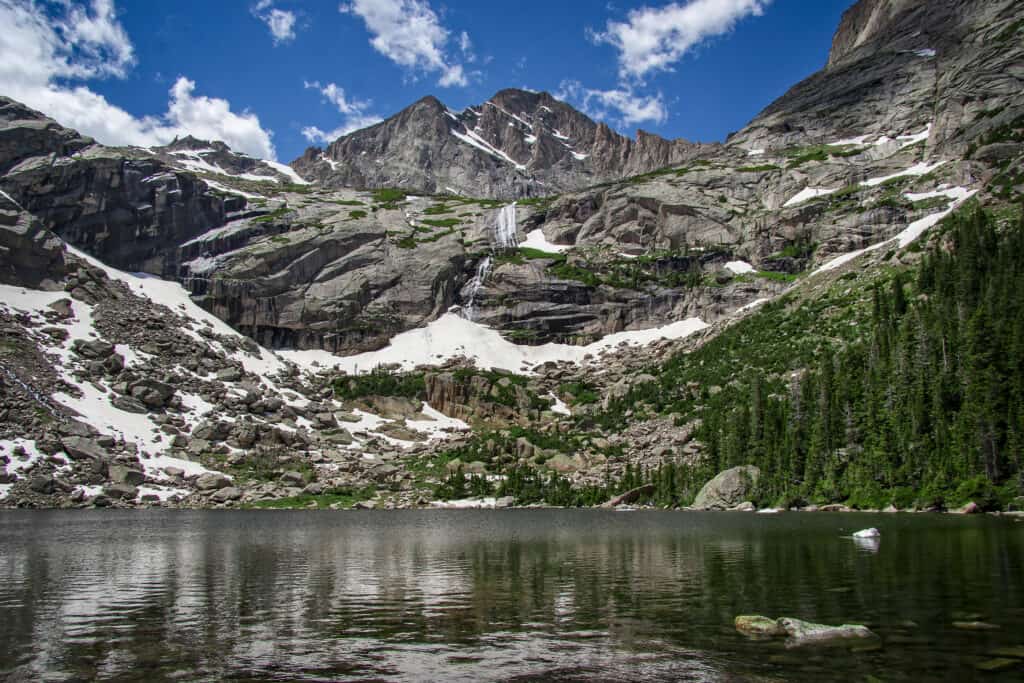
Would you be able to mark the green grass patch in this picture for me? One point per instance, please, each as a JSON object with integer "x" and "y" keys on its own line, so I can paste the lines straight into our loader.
{"x": 340, "y": 497}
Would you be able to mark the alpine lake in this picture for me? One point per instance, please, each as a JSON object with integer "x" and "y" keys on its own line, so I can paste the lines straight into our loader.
{"x": 507, "y": 595}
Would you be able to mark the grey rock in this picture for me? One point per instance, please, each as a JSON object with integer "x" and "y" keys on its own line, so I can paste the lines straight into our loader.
{"x": 211, "y": 481}
{"x": 225, "y": 494}
{"x": 81, "y": 448}
{"x": 727, "y": 489}
{"x": 43, "y": 483}
{"x": 120, "y": 474}
{"x": 120, "y": 491}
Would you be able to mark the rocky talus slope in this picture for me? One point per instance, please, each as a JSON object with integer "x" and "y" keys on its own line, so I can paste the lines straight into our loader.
{"x": 169, "y": 315}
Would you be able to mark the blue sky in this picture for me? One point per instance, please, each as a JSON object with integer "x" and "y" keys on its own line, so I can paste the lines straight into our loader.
{"x": 269, "y": 76}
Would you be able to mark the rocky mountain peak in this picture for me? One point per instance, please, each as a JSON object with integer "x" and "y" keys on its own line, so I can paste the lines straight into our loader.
{"x": 517, "y": 143}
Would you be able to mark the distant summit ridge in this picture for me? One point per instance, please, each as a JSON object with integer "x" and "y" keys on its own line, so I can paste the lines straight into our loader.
{"x": 518, "y": 143}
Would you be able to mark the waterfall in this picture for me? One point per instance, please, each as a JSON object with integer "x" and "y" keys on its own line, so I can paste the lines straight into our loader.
{"x": 482, "y": 269}
{"x": 506, "y": 236}
{"x": 505, "y": 230}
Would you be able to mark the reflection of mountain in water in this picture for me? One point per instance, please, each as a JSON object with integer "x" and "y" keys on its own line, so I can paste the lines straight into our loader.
{"x": 471, "y": 595}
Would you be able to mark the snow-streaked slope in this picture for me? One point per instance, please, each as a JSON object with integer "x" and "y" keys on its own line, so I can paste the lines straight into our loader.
{"x": 916, "y": 170}
{"x": 174, "y": 296}
{"x": 740, "y": 267}
{"x": 806, "y": 194}
{"x": 451, "y": 336}
{"x": 959, "y": 195}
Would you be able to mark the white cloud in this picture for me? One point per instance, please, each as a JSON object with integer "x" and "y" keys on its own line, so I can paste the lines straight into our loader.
{"x": 280, "y": 22}
{"x": 653, "y": 39}
{"x": 356, "y": 116}
{"x": 629, "y": 107}
{"x": 39, "y": 53}
{"x": 409, "y": 33}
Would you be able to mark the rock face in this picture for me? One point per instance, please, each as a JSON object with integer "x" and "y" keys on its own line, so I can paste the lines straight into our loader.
{"x": 30, "y": 255}
{"x": 124, "y": 206}
{"x": 897, "y": 65}
{"x": 728, "y": 488}
{"x": 516, "y": 144}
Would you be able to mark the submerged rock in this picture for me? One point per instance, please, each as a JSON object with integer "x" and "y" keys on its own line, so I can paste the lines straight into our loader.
{"x": 803, "y": 633}
{"x": 757, "y": 626}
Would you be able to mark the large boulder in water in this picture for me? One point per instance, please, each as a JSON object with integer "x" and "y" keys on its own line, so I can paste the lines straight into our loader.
{"x": 728, "y": 488}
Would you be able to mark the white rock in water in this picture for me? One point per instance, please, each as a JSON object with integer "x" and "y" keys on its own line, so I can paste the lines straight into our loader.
{"x": 868, "y": 533}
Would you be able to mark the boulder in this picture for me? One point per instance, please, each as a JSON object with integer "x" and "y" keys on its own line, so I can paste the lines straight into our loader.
{"x": 81, "y": 448}
{"x": 629, "y": 496}
{"x": 211, "y": 481}
{"x": 757, "y": 626}
{"x": 802, "y": 633}
{"x": 745, "y": 506}
{"x": 293, "y": 478}
{"x": 43, "y": 483}
{"x": 120, "y": 491}
{"x": 728, "y": 488}
{"x": 225, "y": 494}
{"x": 120, "y": 474}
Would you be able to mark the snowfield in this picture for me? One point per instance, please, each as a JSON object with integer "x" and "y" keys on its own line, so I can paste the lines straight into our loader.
{"x": 451, "y": 336}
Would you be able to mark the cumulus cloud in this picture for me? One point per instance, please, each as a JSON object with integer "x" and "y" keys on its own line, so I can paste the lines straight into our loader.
{"x": 43, "y": 55}
{"x": 354, "y": 111}
{"x": 280, "y": 22}
{"x": 621, "y": 105}
{"x": 410, "y": 34}
{"x": 654, "y": 39}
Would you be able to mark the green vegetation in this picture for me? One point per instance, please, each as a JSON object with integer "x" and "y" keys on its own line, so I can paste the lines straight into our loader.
{"x": 380, "y": 382}
{"x": 273, "y": 216}
{"x": 347, "y": 202}
{"x": 799, "y": 156}
{"x": 407, "y": 242}
{"x": 665, "y": 269}
{"x": 388, "y": 195}
{"x": 443, "y": 223}
{"x": 356, "y": 215}
{"x": 757, "y": 169}
{"x": 579, "y": 393}
{"x": 344, "y": 497}
{"x": 905, "y": 387}
{"x": 777, "y": 276}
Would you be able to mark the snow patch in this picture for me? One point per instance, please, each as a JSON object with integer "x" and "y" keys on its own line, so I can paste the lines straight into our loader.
{"x": 535, "y": 239}
{"x": 908, "y": 140}
{"x": 740, "y": 267}
{"x": 916, "y": 170}
{"x": 471, "y": 138}
{"x": 286, "y": 170}
{"x": 559, "y": 407}
{"x": 806, "y": 194}
{"x": 452, "y": 336}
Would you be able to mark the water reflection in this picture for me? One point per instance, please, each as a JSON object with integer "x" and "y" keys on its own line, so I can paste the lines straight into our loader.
{"x": 469, "y": 595}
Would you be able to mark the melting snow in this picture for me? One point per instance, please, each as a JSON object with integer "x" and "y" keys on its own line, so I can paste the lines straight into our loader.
{"x": 451, "y": 336}
{"x": 927, "y": 52}
{"x": 755, "y": 152}
{"x": 559, "y": 408}
{"x": 908, "y": 235}
{"x": 287, "y": 170}
{"x": 806, "y": 194}
{"x": 908, "y": 140}
{"x": 535, "y": 240}
{"x": 917, "y": 170}
{"x": 739, "y": 267}
{"x": 579, "y": 157}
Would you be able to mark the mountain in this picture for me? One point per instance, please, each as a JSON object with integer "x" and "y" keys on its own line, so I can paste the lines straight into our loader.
{"x": 673, "y": 310}
{"x": 516, "y": 144}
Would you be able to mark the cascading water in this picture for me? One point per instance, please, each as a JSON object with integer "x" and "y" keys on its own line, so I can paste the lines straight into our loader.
{"x": 482, "y": 269}
{"x": 506, "y": 236}
{"x": 506, "y": 230}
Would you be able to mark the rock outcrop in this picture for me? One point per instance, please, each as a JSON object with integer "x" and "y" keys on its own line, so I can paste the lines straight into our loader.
{"x": 728, "y": 489}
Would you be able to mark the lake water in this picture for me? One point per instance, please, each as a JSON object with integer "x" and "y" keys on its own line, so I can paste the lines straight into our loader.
{"x": 520, "y": 595}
